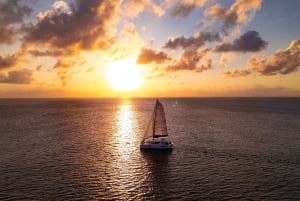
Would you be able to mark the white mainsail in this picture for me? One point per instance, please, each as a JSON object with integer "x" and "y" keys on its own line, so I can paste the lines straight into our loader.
{"x": 157, "y": 126}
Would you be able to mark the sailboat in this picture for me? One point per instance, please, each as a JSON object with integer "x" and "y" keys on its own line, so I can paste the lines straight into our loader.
{"x": 156, "y": 135}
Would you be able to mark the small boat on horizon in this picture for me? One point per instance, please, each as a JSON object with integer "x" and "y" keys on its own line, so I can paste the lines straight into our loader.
{"x": 156, "y": 136}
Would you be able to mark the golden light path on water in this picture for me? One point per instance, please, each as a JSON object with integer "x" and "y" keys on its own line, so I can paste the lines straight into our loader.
{"x": 125, "y": 124}
{"x": 126, "y": 163}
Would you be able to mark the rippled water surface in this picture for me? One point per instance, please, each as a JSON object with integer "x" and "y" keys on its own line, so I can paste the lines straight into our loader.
{"x": 225, "y": 149}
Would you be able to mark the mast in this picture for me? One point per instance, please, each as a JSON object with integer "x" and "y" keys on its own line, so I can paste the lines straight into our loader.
{"x": 154, "y": 117}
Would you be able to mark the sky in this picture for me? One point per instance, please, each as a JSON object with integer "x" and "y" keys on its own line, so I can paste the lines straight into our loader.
{"x": 149, "y": 48}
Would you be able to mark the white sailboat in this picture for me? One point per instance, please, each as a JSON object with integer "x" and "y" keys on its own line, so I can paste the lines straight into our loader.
{"x": 156, "y": 135}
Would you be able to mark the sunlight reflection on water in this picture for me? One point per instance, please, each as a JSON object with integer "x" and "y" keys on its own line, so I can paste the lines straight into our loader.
{"x": 126, "y": 171}
{"x": 125, "y": 138}
{"x": 125, "y": 125}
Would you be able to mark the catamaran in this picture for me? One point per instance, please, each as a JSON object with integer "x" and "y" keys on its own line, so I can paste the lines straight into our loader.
{"x": 156, "y": 135}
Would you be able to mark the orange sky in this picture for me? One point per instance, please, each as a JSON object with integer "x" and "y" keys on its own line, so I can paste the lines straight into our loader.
{"x": 149, "y": 48}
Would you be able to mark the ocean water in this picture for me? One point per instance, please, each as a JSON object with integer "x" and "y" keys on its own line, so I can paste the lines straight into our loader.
{"x": 88, "y": 149}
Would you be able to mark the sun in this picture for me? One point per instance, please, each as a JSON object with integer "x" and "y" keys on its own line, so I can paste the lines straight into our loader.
{"x": 124, "y": 75}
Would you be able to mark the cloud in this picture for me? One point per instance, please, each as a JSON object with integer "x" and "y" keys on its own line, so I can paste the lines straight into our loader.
{"x": 238, "y": 14}
{"x": 11, "y": 13}
{"x": 196, "y": 58}
{"x": 85, "y": 24}
{"x": 23, "y": 76}
{"x": 129, "y": 28}
{"x": 237, "y": 73}
{"x": 282, "y": 62}
{"x": 183, "y": 8}
{"x": 132, "y": 8}
{"x": 151, "y": 56}
{"x": 7, "y": 35}
{"x": 197, "y": 40}
{"x": 64, "y": 75}
{"x": 191, "y": 57}
{"x": 128, "y": 43}
{"x": 53, "y": 52}
{"x": 61, "y": 5}
{"x": 63, "y": 66}
{"x": 189, "y": 60}
{"x": 68, "y": 28}
{"x": 248, "y": 42}
{"x": 39, "y": 68}
{"x": 8, "y": 61}
{"x": 64, "y": 63}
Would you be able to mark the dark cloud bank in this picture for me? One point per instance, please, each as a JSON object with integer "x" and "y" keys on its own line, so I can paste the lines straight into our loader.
{"x": 59, "y": 32}
{"x": 85, "y": 25}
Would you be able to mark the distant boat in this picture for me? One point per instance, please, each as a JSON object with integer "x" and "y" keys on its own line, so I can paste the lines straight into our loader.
{"x": 156, "y": 135}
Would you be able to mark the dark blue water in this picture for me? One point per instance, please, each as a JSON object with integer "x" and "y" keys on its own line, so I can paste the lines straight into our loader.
{"x": 88, "y": 149}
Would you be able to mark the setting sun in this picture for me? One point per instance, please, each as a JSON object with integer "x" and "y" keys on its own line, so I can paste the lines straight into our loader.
{"x": 124, "y": 75}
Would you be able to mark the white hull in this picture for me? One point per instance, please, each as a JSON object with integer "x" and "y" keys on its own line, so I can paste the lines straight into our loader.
{"x": 161, "y": 144}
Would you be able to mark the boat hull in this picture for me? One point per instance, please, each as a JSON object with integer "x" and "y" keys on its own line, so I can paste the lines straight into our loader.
{"x": 156, "y": 146}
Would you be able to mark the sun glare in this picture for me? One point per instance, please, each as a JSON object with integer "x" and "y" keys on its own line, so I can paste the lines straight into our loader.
{"x": 124, "y": 75}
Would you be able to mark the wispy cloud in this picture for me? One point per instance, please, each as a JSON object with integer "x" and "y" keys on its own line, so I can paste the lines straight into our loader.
{"x": 63, "y": 66}
{"x": 131, "y": 8}
{"x": 53, "y": 53}
{"x": 232, "y": 18}
{"x": 183, "y": 8}
{"x": 237, "y": 73}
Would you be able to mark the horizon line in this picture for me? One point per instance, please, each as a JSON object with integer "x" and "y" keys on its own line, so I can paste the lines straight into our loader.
{"x": 170, "y": 97}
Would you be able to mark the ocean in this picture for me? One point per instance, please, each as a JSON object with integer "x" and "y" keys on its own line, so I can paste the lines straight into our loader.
{"x": 88, "y": 149}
